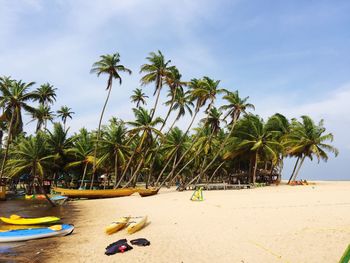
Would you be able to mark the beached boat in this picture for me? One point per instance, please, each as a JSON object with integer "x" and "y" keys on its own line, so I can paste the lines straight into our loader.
{"x": 92, "y": 194}
{"x": 117, "y": 225}
{"x": 35, "y": 233}
{"x": 18, "y": 220}
{"x": 147, "y": 192}
{"x": 56, "y": 199}
{"x": 136, "y": 224}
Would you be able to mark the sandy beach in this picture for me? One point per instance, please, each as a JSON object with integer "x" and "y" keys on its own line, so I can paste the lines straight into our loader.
{"x": 270, "y": 224}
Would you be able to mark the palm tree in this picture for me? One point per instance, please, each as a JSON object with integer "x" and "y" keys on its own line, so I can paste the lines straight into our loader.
{"x": 14, "y": 97}
{"x": 138, "y": 97}
{"x": 155, "y": 71}
{"x": 173, "y": 147}
{"x": 145, "y": 127}
{"x": 280, "y": 126}
{"x": 113, "y": 146}
{"x": 81, "y": 151}
{"x": 201, "y": 91}
{"x": 108, "y": 64}
{"x": 64, "y": 112}
{"x": 213, "y": 120}
{"x": 175, "y": 84}
{"x": 46, "y": 94}
{"x": 181, "y": 103}
{"x": 42, "y": 114}
{"x": 306, "y": 139}
{"x": 31, "y": 156}
{"x": 236, "y": 105}
{"x": 252, "y": 136}
{"x": 58, "y": 144}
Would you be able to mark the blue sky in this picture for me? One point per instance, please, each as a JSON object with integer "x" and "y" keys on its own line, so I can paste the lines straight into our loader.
{"x": 291, "y": 57}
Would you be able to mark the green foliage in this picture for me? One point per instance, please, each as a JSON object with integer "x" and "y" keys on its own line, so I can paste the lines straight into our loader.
{"x": 227, "y": 138}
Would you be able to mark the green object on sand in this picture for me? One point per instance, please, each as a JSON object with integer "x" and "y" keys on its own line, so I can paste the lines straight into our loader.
{"x": 346, "y": 256}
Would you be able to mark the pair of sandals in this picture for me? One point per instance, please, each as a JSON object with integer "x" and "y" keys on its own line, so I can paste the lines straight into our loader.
{"x": 122, "y": 245}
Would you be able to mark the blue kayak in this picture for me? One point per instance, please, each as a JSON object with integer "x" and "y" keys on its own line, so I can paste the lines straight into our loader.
{"x": 35, "y": 233}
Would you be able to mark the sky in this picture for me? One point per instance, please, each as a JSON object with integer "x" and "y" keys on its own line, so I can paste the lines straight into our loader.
{"x": 290, "y": 57}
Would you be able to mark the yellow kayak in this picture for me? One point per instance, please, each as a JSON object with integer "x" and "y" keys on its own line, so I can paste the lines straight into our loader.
{"x": 117, "y": 225}
{"x": 17, "y": 220}
{"x": 136, "y": 224}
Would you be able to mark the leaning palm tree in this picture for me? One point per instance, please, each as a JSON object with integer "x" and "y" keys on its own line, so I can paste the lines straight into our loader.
{"x": 181, "y": 103}
{"x": 138, "y": 97}
{"x": 46, "y": 94}
{"x": 108, "y": 64}
{"x": 201, "y": 91}
{"x": 236, "y": 105}
{"x": 306, "y": 139}
{"x": 31, "y": 156}
{"x": 64, "y": 113}
{"x": 42, "y": 115}
{"x": 14, "y": 98}
{"x": 155, "y": 71}
{"x": 143, "y": 126}
{"x": 175, "y": 84}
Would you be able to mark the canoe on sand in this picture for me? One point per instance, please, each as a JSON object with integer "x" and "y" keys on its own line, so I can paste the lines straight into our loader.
{"x": 35, "y": 233}
{"x": 147, "y": 192}
{"x": 92, "y": 194}
{"x": 117, "y": 225}
{"x": 136, "y": 224}
{"x": 17, "y": 220}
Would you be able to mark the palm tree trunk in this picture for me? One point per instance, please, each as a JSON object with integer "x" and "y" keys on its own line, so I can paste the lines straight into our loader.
{"x": 297, "y": 171}
{"x": 166, "y": 178}
{"x": 9, "y": 139}
{"x": 109, "y": 87}
{"x": 295, "y": 166}
{"x": 84, "y": 173}
{"x": 129, "y": 162}
{"x": 165, "y": 166}
{"x": 156, "y": 103}
{"x": 134, "y": 175}
{"x": 116, "y": 169}
{"x": 40, "y": 184}
{"x": 216, "y": 170}
{"x": 255, "y": 166}
{"x": 222, "y": 146}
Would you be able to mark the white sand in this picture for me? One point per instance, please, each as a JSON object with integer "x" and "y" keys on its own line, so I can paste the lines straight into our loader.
{"x": 271, "y": 224}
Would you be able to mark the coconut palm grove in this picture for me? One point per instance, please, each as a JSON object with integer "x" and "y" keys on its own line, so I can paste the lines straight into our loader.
{"x": 231, "y": 143}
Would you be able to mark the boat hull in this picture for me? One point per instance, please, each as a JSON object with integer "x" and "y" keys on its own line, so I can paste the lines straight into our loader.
{"x": 136, "y": 224}
{"x": 93, "y": 194}
{"x": 116, "y": 226}
{"x": 147, "y": 192}
{"x": 34, "y": 233}
{"x": 30, "y": 221}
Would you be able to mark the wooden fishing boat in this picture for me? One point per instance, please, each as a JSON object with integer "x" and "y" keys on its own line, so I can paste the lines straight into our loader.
{"x": 92, "y": 194}
{"x": 147, "y": 192}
